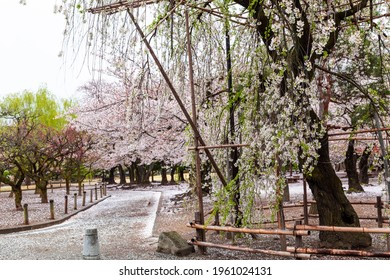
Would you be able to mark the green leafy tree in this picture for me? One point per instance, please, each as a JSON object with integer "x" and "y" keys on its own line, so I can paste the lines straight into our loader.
{"x": 31, "y": 145}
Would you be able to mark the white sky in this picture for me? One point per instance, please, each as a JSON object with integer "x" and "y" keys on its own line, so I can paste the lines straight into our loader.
{"x": 31, "y": 40}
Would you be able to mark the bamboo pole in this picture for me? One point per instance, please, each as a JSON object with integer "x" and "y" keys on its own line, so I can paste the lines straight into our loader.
{"x": 357, "y": 138}
{"x": 199, "y": 215}
{"x": 223, "y": 146}
{"x": 251, "y": 250}
{"x": 342, "y": 229}
{"x": 249, "y": 230}
{"x": 340, "y": 252}
{"x": 360, "y": 131}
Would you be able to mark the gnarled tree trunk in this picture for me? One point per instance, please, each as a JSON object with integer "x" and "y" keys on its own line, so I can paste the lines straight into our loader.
{"x": 333, "y": 206}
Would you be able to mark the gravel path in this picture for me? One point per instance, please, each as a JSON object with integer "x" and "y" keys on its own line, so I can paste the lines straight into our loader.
{"x": 122, "y": 221}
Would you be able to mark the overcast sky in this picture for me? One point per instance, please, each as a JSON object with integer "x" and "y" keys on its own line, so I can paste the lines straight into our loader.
{"x": 31, "y": 40}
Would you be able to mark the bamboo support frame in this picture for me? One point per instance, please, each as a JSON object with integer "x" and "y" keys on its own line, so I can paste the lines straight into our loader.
{"x": 251, "y": 250}
{"x": 249, "y": 230}
{"x": 341, "y": 252}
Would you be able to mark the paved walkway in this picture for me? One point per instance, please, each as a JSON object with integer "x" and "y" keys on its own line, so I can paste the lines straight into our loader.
{"x": 124, "y": 221}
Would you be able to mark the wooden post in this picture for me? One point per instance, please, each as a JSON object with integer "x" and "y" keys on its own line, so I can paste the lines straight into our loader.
{"x": 282, "y": 225}
{"x": 84, "y": 195}
{"x": 51, "y": 187}
{"x": 51, "y": 209}
{"x": 91, "y": 196}
{"x": 25, "y": 212}
{"x": 199, "y": 232}
{"x": 96, "y": 193}
{"x": 66, "y": 204}
{"x": 75, "y": 201}
{"x": 101, "y": 191}
{"x": 199, "y": 216}
{"x": 379, "y": 211}
{"x": 305, "y": 209}
{"x": 298, "y": 238}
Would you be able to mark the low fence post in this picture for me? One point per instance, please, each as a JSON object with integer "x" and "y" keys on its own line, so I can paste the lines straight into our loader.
{"x": 84, "y": 195}
{"x": 66, "y": 204}
{"x": 96, "y": 194}
{"x": 91, "y": 196}
{"x": 101, "y": 192}
{"x": 51, "y": 209}
{"x": 75, "y": 201}
{"x": 378, "y": 206}
{"x": 25, "y": 213}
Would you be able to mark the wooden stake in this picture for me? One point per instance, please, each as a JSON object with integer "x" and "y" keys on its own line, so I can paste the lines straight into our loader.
{"x": 25, "y": 213}
{"x": 84, "y": 195}
{"x": 75, "y": 201}
{"x": 51, "y": 209}
{"x": 66, "y": 205}
{"x": 305, "y": 209}
{"x": 379, "y": 211}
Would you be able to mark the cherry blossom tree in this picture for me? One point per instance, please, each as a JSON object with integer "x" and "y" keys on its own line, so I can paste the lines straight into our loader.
{"x": 278, "y": 49}
{"x": 131, "y": 128}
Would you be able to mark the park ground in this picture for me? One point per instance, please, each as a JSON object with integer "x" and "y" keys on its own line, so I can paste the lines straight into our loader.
{"x": 130, "y": 220}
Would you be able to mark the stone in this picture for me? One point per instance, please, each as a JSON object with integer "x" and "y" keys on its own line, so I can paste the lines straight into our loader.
{"x": 172, "y": 243}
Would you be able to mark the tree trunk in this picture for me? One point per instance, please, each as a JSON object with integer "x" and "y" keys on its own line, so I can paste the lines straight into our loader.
{"x": 41, "y": 186}
{"x": 363, "y": 166}
{"x": 181, "y": 173}
{"x": 111, "y": 176}
{"x": 350, "y": 166}
{"x": 164, "y": 179}
{"x": 18, "y": 195}
{"x": 131, "y": 170}
{"x": 122, "y": 175}
{"x": 142, "y": 174}
{"x": 333, "y": 206}
{"x": 173, "y": 169}
{"x": 67, "y": 186}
